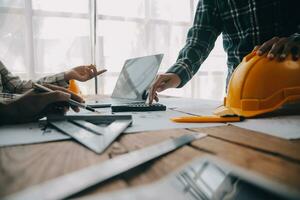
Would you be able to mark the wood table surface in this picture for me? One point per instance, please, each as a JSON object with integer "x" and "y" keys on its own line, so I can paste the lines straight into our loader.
{"x": 276, "y": 159}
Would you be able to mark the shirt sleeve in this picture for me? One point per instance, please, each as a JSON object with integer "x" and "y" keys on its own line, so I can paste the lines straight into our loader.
{"x": 13, "y": 84}
{"x": 200, "y": 41}
{"x": 57, "y": 79}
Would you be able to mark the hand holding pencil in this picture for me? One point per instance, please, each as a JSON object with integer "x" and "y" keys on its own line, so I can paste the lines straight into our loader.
{"x": 75, "y": 101}
{"x": 34, "y": 105}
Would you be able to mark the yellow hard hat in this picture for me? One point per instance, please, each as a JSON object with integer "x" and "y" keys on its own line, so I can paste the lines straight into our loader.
{"x": 74, "y": 87}
{"x": 259, "y": 85}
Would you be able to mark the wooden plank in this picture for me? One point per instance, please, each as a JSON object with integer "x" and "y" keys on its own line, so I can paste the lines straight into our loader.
{"x": 289, "y": 149}
{"x": 149, "y": 172}
{"x": 143, "y": 139}
{"x": 23, "y": 166}
{"x": 107, "y": 186}
{"x": 162, "y": 166}
{"x": 270, "y": 166}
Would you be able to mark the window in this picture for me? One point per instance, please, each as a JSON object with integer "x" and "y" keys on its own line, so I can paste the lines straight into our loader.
{"x": 43, "y": 37}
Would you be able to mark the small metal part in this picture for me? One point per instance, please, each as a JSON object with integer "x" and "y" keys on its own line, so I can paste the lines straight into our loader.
{"x": 92, "y": 136}
{"x": 109, "y": 133}
{"x": 93, "y": 118}
{"x": 82, "y": 135}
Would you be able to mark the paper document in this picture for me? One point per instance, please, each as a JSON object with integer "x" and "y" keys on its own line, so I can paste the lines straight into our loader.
{"x": 283, "y": 123}
{"x": 286, "y": 127}
{"x": 28, "y": 134}
{"x": 160, "y": 120}
{"x": 280, "y": 124}
{"x": 191, "y": 106}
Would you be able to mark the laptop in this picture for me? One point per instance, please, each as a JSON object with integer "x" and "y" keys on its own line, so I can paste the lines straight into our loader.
{"x": 133, "y": 82}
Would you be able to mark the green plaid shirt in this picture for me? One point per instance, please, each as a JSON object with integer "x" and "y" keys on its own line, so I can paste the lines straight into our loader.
{"x": 243, "y": 24}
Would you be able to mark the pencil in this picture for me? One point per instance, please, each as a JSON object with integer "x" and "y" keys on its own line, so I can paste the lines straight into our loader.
{"x": 71, "y": 101}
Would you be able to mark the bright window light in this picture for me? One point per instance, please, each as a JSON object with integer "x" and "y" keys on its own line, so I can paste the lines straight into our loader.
{"x": 41, "y": 37}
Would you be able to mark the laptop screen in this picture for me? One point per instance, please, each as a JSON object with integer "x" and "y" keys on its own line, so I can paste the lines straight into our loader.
{"x": 136, "y": 77}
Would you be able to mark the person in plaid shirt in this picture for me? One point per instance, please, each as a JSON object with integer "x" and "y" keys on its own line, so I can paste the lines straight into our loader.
{"x": 271, "y": 27}
{"x": 20, "y": 103}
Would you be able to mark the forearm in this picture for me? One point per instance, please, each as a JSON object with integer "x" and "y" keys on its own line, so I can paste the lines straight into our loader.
{"x": 57, "y": 79}
{"x": 190, "y": 58}
{"x": 12, "y": 83}
{"x": 200, "y": 41}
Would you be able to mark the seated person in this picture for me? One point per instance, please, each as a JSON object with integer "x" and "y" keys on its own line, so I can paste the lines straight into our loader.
{"x": 20, "y": 103}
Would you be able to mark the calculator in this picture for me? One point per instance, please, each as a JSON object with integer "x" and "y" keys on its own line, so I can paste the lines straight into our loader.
{"x": 138, "y": 107}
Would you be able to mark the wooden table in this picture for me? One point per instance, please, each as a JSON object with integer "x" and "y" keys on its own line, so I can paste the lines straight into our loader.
{"x": 276, "y": 159}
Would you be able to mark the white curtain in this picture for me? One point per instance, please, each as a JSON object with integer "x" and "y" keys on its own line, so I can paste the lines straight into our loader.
{"x": 40, "y": 37}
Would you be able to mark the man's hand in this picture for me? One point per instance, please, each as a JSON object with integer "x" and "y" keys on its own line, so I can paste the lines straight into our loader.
{"x": 280, "y": 48}
{"x": 33, "y": 105}
{"x": 161, "y": 83}
{"x": 83, "y": 73}
{"x": 64, "y": 90}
